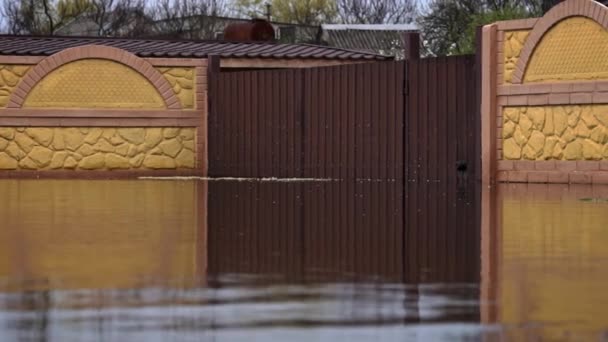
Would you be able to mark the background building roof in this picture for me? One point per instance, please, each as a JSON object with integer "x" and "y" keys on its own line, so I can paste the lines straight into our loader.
{"x": 384, "y": 39}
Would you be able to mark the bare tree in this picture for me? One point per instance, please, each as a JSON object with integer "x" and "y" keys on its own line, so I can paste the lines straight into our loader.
{"x": 122, "y": 18}
{"x": 39, "y": 17}
{"x": 376, "y": 12}
{"x": 189, "y": 19}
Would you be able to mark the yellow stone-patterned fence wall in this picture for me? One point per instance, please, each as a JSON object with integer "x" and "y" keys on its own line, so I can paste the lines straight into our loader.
{"x": 96, "y": 148}
{"x": 545, "y": 97}
{"x": 98, "y": 108}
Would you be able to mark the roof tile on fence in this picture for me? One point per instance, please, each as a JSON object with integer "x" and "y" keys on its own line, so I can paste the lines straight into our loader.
{"x": 46, "y": 46}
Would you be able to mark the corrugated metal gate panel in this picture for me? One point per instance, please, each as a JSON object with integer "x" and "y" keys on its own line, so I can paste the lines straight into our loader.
{"x": 349, "y": 122}
{"x": 342, "y": 122}
{"x": 442, "y": 119}
{"x": 442, "y": 133}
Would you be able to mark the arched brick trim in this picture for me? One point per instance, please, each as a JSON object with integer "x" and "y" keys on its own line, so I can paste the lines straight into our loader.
{"x": 569, "y": 8}
{"x": 55, "y": 61}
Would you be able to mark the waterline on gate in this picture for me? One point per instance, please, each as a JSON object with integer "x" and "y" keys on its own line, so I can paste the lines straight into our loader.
{"x": 263, "y": 179}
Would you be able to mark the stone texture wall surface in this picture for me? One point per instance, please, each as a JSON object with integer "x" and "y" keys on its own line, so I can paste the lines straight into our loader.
{"x": 555, "y": 132}
{"x": 182, "y": 81}
{"x": 574, "y": 49}
{"x": 513, "y": 44}
{"x": 94, "y": 83}
{"x": 10, "y": 75}
{"x": 82, "y": 148}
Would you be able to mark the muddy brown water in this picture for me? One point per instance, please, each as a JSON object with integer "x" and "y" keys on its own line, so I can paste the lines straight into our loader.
{"x": 151, "y": 260}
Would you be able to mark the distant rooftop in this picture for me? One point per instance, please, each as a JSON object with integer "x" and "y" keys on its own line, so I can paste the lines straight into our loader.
{"x": 371, "y": 27}
{"x": 384, "y": 39}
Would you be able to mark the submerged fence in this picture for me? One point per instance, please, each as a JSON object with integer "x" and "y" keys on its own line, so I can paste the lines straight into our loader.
{"x": 404, "y": 136}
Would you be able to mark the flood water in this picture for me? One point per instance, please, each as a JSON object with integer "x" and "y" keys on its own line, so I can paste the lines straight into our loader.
{"x": 144, "y": 260}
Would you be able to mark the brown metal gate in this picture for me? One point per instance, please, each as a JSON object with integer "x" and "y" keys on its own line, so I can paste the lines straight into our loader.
{"x": 348, "y": 122}
{"x": 442, "y": 119}
{"x": 341, "y": 122}
{"x": 411, "y": 127}
{"x": 443, "y": 159}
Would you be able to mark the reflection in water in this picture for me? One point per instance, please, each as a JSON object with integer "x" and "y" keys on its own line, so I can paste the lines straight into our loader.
{"x": 551, "y": 276}
{"x": 340, "y": 231}
{"x": 224, "y": 261}
{"x": 84, "y": 234}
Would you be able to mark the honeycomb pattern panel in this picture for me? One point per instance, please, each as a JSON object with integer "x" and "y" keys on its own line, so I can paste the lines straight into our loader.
{"x": 555, "y": 133}
{"x": 94, "y": 83}
{"x": 10, "y": 75}
{"x": 97, "y": 148}
{"x": 574, "y": 49}
{"x": 182, "y": 81}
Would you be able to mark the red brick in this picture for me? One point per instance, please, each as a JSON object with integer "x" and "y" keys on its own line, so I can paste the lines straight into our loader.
{"x": 601, "y": 86}
{"x": 604, "y": 165}
{"x": 156, "y": 76}
{"x": 517, "y": 100}
{"x": 44, "y": 66}
{"x": 559, "y": 98}
{"x": 580, "y": 177}
{"x": 517, "y": 74}
{"x": 526, "y": 51}
{"x": 545, "y": 165}
{"x": 107, "y": 53}
{"x": 116, "y": 53}
{"x": 12, "y": 104}
{"x": 140, "y": 64}
{"x": 19, "y": 92}
{"x": 537, "y": 100}
{"x": 597, "y": 13}
{"x": 524, "y": 165}
{"x": 602, "y": 15}
{"x": 519, "y": 89}
{"x": 540, "y": 88}
{"x": 502, "y": 176}
{"x": 587, "y": 165}
{"x": 505, "y": 165}
{"x": 518, "y": 176}
{"x": 166, "y": 92}
{"x": 52, "y": 62}
{"x": 175, "y": 105}
{"x": 146, "y": 69}
{"x": 124, "y": 57}
{"x": 162, "y": 86}
{"x": 581, "y": 98}
{"x": 600, "y": 177}
{"x": 538, "y": 177}
{"x": 132, "y": 60}
{"x": 28, "y": 80}
{"x": 588, "y": 9}
{"x": 565, "y": 166}
{"x": 557, "y": 177}
{"x": 583, "y": 87}
{"x": 560, "y": 88}
{"x": 37, "y": 73}
{"x": 85, "y": 52}
{"x": 600, "y": 97}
